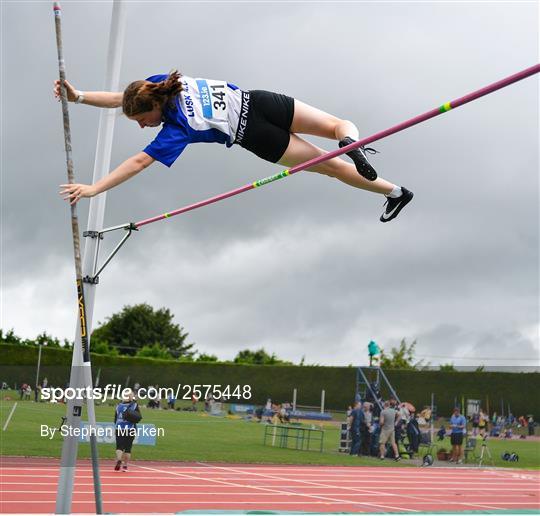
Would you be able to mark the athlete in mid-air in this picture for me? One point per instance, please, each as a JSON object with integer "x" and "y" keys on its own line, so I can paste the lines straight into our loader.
{"x": 203, "y": 110}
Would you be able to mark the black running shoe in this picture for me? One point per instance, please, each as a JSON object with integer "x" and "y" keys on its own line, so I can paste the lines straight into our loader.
{"x": 397, "y": 459}
{"x": 395, "y": 205}
{"x": 360, "y": 159}
{"x": 118, "y": 464}
{"x": 124, "y": 468}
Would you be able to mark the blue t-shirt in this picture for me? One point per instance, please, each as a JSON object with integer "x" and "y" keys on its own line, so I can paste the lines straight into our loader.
{"x": 120, "y": 411}
{"x": 206, "y": 111}
{"x": 357, "y": 416}
{"x": 455, "y": 421}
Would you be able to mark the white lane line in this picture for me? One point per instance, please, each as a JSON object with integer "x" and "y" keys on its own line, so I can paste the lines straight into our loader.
{"x": 161, "y": 484}
{"x": 377, "y": 493}
{"x": 327, "y": 500}
{"x": 200, "y": 502}
{"x": 9, "y": 417}
{"x": 274, "y": 477}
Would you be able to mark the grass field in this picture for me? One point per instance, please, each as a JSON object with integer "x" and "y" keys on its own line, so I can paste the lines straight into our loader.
{"x": 196, "y": 436}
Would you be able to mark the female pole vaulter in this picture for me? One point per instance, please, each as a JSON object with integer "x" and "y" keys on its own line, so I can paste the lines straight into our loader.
{"x": 203, "y": 110}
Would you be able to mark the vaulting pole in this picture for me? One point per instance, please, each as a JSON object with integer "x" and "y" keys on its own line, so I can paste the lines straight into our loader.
{"x": 77, "y": 378}
{"x": 378, "y": 136}
{"x": 80, "y": 374}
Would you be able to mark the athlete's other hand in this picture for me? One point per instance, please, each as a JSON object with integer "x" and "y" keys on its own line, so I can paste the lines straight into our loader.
{"x": 71, "y": 91}
{"x": 74, "y": 192}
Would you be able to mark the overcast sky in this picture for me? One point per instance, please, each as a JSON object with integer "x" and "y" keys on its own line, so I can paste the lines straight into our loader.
{"x": 302, "y": 267}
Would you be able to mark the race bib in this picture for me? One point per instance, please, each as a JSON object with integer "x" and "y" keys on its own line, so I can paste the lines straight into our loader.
{"x": 213, "y": 98}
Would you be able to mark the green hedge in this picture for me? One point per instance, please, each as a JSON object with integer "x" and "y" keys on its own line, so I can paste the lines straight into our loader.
{"x": 277, "y": 381}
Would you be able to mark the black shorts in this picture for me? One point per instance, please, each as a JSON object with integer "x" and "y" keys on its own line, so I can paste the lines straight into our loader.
{"x": 124, "y": 442}
{"x": 456, "y": 439}
{"x": 265, "y": 129}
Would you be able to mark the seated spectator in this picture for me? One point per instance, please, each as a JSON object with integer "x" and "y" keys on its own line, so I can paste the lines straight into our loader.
{"x": 441, "y": 433}
{"x": 283, "y": 415}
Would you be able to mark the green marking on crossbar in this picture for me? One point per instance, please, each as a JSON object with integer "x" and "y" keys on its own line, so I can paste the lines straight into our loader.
{"x": 445, "y": 107}
{"x": 270, "y": 179}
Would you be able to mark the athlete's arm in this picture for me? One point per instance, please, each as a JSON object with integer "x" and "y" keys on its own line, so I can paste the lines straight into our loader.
{"x": 125, "y": 171}
{"x": 104, "y": 99}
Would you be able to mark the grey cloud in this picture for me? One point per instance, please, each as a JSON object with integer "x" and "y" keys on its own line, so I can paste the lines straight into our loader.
{"x": 301, "y": 266}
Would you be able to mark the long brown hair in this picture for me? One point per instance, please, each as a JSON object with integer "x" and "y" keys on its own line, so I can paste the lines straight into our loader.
{"x": 142, "y": 96}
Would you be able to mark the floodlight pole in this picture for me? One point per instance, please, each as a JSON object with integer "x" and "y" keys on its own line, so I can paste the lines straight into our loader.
{"x": 80, "y": 367}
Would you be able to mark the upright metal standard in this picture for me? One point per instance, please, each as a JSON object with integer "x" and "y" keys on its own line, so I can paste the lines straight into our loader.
{"x": 133, "y": 226}
{"x": 80, "y": 370}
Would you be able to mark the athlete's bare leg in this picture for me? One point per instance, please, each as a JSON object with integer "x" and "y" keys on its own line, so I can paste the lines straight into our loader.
{"x": 300, "y": 150}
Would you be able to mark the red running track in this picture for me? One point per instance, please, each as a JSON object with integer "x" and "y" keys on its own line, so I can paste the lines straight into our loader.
{"x": 28, "y": 485}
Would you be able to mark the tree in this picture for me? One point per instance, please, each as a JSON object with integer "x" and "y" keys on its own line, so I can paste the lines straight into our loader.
{"x": 448, "y": 368}
{"x": 103, "y": 348}
{"x": 140, "y": 325}
{"x": 259, "y": 357}
{"x": 400, "y": 358}
{"x": 154, "y": 351}
{"x": 204, "y": 357}
{"x": 46, "y": 340}
{"x": 10, "y": 338}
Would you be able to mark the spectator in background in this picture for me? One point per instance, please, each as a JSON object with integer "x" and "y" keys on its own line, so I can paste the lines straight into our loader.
{"x": 441, "y": 434}
{"x": 388, "y": 420}
{"x": 404, "y": 413}
{"x": 208, "y": 402}
{"x": 483, "y": 423}
{"x": 531, "y": 424}
{"x": 23, "y": 390}
{"x": 356, "y": 420}
{"x": 28, "y": 392}
{"x": 171, "y": 401}
{"x": 458, "y": 424}
{"x": 413, "y": 433}
{"x": 366, "y": 429}
{"x": 475, "y": 420}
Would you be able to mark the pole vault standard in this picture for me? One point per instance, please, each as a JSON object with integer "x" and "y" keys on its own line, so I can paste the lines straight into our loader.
{"x": 133, "y": 226}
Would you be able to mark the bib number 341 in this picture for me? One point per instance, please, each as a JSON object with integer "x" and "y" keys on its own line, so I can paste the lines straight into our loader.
{"x": 213, "y": 99}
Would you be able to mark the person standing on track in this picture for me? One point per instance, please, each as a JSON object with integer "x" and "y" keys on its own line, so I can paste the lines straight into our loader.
{"x": 125, "y": 430}
{"x": 204, "y": 110}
